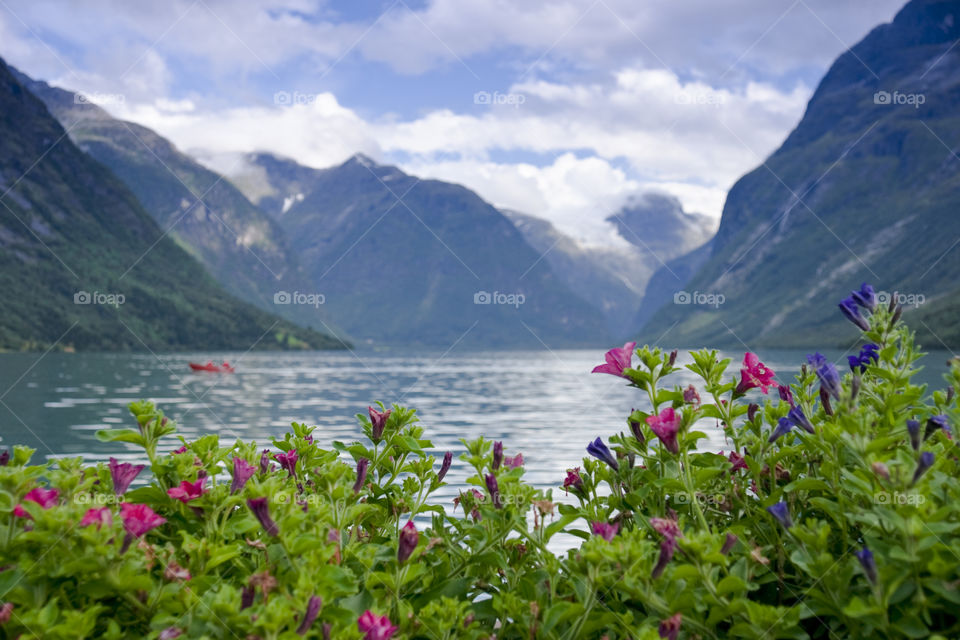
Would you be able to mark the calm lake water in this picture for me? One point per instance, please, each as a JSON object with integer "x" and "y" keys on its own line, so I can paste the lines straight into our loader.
{"x": 544, "y": 404}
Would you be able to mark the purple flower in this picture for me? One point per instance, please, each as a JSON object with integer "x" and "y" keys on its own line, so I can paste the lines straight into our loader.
{"x": 247, "y": 594}
{"x": 786, "y": 394}
{"x": 797, "y": 417}
{"x": 618, "y": 360}
{"x": 170, "y": 633}
{"x": 848, "y": 307}
{"x": 666, "y": 425}
{"x": 690, "y": 396}
{"x": 869, "y": 566}
{"x": 313, "y": 610}
{"x": 934, "y": 423}
{"x": 288, "y": 461}
{"x": 514, "y": 462}
{"x": 262, "y": 512}
{"x": 497, "y": 455}
{"x": 123, "y": 474}
{"x": 868, "y": 354}
{"x": 445, "y": 465}
{"x": 827, "y": 373}
{"x": 866, "y": 297}
{"x": 362, "y": 465}
{"x": 752, "y": 409}
{"x": 264, "y": 461}
{"x": 781, "y": 512}
{"x": 4, "y": 458}
{"x": 670, "y": 531}
{"x": 783, "y": 428}
{"x": 573, "y": 479}
{"x": 667, "y": 549}
{"x": 600, "y": 451}
{"x": 242, "y": 471}
{"x": 494, "y": 488}
{"x": 728, "y": 543}
{"x": 605, "y": 530}
{"x": 913, "y": 427}
{"x": 670, "y": 628}
{"x": 635, "y": 428}
{"x": 926, "y": 461}
{"x": 409, "y": 537}
{"x": 378, "y": 420}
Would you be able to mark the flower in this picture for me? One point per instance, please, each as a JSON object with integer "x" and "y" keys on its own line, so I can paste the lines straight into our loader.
{"x": 288, "y": 461}
{"x": 752, "y": 409}
{"x": 123, "y": 474}
{"x": 188, "y": 491}
{"x": 786, "y": 393}
{"x": 445, "y": 465}
{"x": 690, "y": 396}
{"x": 913, "y": 428}
{"x": 926, "y": 461}
{"x": 737, "y": 461}
{"x": 754, "y": 374}
{"x": 46, "y": 498}
{"x": 97, "y": 515}
{"x": 784, "y": 425}
{"x": 881, "y": 470}
{"x": 600, "y": 451}
{"x": 5, "y": 612}
{"x": 728, "y": 543}
{"x": 670, "y": 531}
{"x": 497, "y": 455}
{"x": 362, "y": 465}
{"x": 573, "y": 479}
{"x": 865, "y": 557}
{"x": 605, "y": 530}
{"x": 4, "y": 460}
{"x": 827, "y": 373}
{"x": 378, "y": 420}
{"x": 799, "y": 419}
{"x": 262, "y": 512}
{"x": 670, "y": 628}
{"x": 781, "y": 512}
{"x": 665, "y": 426}
{"x": 170, "y": 633}
{"x": 514, "y": 462}
{"x": 848, "y": 307}
{"x": 934, "y": 423}
{"x": 866, "y": 297}
{"x": 494, "y": 489}
{"x": 375, "y": 627}
{"x": 242, "y": 471}
{"x": 635, "y": 428}
{"x": 175, "y": 572}
{"x": 139, "y": 518}
{"x": 313, "y": 610}
{"x": 666, "y": 527}
{"x": 617, "y": 360}
{"x": 408, "y": 541}
{"x": 264, "y": 461}
{"x": 868, "y": 354}
{"x": 247, "y": 594}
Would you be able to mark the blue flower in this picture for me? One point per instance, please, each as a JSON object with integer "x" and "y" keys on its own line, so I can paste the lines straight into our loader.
{"x": 866, "y": 297}
{"x": 781, "y": 512}
{"x": 828, "y": 374}
{"x": 934, "y": 423}
{"x": 783, "y": 428}
{"x": 848, "y": 307}
{"x": 797, "y": 417}
{"x": 868, "y": 354}
{"x": 600, "y": 451}
{"x": 913, "y": 427}
{"x": 926, "y": 461}
{"x": 869, "y": 566}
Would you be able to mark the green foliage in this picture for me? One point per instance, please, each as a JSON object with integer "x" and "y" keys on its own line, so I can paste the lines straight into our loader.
{"x": 686, "y": 533}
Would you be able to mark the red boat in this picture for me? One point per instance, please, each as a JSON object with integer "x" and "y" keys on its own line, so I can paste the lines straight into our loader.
{"x": 213, "y": 368}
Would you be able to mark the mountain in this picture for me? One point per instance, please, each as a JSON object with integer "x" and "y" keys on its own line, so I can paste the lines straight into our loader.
{"x": 400, "y": 259}
{"x": 241, "y": 246}
{"x": 657, "y": 224}
{"x": 83, "y": 266}
{"x": 866, "y": 188}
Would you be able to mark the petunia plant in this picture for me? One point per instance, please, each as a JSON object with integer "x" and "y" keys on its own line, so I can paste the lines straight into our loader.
{"x": 833, "y": 511}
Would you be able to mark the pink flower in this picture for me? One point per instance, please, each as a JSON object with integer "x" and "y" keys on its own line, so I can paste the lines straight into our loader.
{"x": 139, "y": 518}
{"x": 288, "y": 461}
{"x": 409, "y": 537}
{"x": 242, "y": 471}
{"x": 670, "y": 628}
{"x": 5, "y": 612}
{"x": 690, "y": 396}
{"x": 573, "y": 479}
{"x": 514, "y": 462}
{"x": 605, "y": 530}
{"x": 46, "y": 498}
{"x": 617, "y": 360}
{"x": 666, "y": 527}
{"x": 182, "y": 449}
{"x": 378, "y": 421}
{"x": 99, "y": 516}
{"x": 188, "y": 491}
{"x": 737, "y": 461}
{"x": 665, "y": 426}
{"x": 670, "y": 532}
{"x": 123, "y": 473}
{"x": 755, "y": 374}
{"x": 375, "y": 627}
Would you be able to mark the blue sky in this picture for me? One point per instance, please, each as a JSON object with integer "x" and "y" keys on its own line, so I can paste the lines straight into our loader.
{"x": 560, "y": 108}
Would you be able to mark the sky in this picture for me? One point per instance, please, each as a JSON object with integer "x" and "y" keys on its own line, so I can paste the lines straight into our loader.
{"x": 558, "y": 108}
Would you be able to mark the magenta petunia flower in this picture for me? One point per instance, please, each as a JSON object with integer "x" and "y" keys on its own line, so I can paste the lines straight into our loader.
{"x": 497, "y": 455}
{"x": 737, "y": 461}
{"x": 617, "y": 360}
{"x": 362, "y": 465}
{"x": 375, "y": 627}
{"x": 123, "y": 473}
{"x": 242, "y": 472}
{"x": 139, "y": 518}
{"x": 261, "y": 510}
{"x": 666, "y": 425}
{"x": 755, "y": 374}
{"x": 670, "y": 628}
{"x": 605, "y": 530}
{"x": 670, "y": 531}
{"x": 514, "y": 462}
{"x": 409, "y": 537}
{"x": 378, "y": 420}
{"x": 690, "y": 396}
{"x": 573, "y": 479}
{"x": 188, "y": 491}
{"x": 445, "y": 466}
{"x": 313, "y": 610}
{"x": 46, "y": 498}
{"x": 288, "y": 461}
{"x": 99, "y": 516}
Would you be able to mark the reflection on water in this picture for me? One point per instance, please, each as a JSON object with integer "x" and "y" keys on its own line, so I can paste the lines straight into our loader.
{"x": 544, "y": 404}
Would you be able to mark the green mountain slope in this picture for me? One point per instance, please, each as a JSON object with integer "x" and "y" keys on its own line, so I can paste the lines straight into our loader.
{"x": 68, "y": 225}
{"x": 866, "y": 188}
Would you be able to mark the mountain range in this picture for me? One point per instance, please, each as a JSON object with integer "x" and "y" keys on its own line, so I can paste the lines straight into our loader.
{"x": 865, "y": 188}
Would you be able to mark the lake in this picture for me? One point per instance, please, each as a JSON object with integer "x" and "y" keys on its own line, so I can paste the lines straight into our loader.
{"x": 545, "y": 404}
